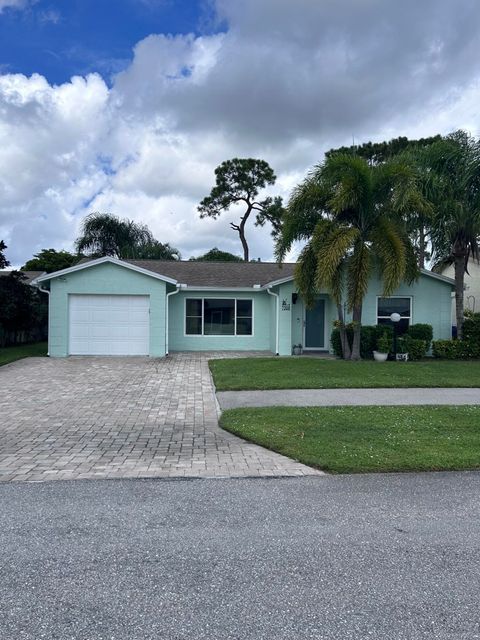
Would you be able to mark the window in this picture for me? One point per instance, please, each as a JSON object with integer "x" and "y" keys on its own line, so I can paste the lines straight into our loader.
{"x": 402, "y": 306}
{"x": 193, "y": 320}
{"x": 218, "y": 317}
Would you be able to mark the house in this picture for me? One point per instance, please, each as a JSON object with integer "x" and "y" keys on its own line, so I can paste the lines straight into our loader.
{"x": 150, "y": 307}
{"x": 471, "y": 295}
{"x": 29, "y": 276}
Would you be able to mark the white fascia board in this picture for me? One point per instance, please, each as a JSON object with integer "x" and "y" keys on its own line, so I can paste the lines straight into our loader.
{"x": 438, "y": 276}
{"x": 275, "y": 283}
{"x": 222, "y": 289}
{"x": 93, "y": 263}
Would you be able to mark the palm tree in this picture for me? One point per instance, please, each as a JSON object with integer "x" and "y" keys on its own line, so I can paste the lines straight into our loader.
{"x": 351, "y": 215}
{"x": 104, "y": 234}
{"x": 456, "y": 221}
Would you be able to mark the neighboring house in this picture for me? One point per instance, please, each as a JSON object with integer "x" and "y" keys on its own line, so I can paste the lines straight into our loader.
{"x": 29, "y": 276}
{"x": 150, "y": 307}
{"x": 471, "y": 299}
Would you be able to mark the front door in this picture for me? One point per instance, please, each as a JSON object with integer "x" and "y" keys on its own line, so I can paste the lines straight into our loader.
{"x": 315, "y": 326}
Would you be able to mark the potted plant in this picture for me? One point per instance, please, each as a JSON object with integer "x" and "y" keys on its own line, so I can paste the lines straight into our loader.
{"x": 297, "y": 349}
{"x": 383, "y": 348}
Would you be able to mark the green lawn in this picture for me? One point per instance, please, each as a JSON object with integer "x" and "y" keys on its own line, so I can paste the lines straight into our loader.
{"x": 365, "y": 439}
{"x": 10, "y": 354}
{"x": 315, "y": 373}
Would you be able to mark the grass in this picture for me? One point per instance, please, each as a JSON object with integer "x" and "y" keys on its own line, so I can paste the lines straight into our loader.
{"x": 315, "y": 373}
{"x": 365, "y": 439}
{"x": 10, "y": 354}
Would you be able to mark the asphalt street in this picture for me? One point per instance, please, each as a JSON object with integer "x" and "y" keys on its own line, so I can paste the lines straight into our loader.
{"x": 346, "y": 557}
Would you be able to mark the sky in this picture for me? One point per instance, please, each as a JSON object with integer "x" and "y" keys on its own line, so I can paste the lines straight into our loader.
{"x": 127, "y": 106}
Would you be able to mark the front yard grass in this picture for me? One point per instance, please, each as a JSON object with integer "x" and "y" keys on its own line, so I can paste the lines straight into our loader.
{"x": 10, "y": 354}
{"x": 316, "y": 373}
{"x": 365, "y": 439}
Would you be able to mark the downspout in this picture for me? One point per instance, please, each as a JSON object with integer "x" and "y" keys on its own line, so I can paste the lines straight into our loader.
{"x": 172, "y": 293}
{"x": 277, "y": 313}
{"x": 47, "y": 291}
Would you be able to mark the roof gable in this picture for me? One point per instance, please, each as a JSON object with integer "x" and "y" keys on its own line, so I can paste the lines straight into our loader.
{"x": 107, "y": 259}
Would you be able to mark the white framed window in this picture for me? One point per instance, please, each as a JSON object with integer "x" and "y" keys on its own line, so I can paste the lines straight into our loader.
{"x": 218, "y": 317}
{"x": 395, "y": 304}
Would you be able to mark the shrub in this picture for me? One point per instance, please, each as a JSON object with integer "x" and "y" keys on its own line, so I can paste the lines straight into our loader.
{"x": 369, "y": 336}
{"x": 416, "y": 348}
{"x": 447, "y": 349}
{"x": 421, "y": 332}
{"x": 384, "y": 343}
{"x": 471, "y": 327}
{"x": 456, "y": 349}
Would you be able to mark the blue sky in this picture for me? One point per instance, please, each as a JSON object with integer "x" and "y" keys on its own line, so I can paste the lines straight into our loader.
{"x": 133, "y": 103}
{"x": 62, "y": 38}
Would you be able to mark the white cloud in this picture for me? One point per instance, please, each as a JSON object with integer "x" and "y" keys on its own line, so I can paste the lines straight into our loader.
{"x": 285, "y": 82}
{"x": 12, "y": 4}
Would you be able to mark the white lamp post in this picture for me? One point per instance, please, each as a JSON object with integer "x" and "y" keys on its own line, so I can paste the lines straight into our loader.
{"x": 395, "y": 318}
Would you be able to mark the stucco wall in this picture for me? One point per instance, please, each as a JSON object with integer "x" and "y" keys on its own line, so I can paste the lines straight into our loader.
{"x": 471, "y": 294}
{"x": 431, "y": 303}
{"x": 260, "y": 340}
{"x": 110, "y": 279}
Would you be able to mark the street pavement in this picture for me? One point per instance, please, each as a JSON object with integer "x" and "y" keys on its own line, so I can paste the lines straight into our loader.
{"x": 346, "y": 397}
{"x": 329, "y": 557}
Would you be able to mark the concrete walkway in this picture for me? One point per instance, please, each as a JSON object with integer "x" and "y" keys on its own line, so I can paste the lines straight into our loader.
{"x": 343, "y": 397}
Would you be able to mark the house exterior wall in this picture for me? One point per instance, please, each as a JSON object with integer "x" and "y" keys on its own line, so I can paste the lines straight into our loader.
{"x": 260, "y": 340}
{"x": 471, "y": 299}
{"x": 431, "y": 303}
{"x": 107, "y": 279}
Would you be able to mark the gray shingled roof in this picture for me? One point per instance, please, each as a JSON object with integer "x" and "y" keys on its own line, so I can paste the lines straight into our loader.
{"x": 217, "y": 274}
{"x": 29, "y": 275}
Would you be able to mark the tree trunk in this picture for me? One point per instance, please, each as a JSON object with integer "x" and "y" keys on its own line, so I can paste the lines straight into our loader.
{"x": 422, "y": 247}
{"x": 357, "y": 326}
{"x": 343, "y": 334}
{"x": 241, "y": 233}
{"x": 459, "y": 285}
{"x": 240, "y": 228}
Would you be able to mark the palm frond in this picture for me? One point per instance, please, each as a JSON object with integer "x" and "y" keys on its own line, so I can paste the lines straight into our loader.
{"x": 305, "y": 271}
{"x": 358, "y": 273}
{"x": 331, "y": 252}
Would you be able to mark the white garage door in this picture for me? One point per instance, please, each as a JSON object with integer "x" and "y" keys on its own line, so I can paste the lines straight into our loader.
{"x": 109, "y": 325}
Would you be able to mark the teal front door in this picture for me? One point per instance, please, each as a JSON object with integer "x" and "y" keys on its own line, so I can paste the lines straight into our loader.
{"x": 315, "y": 326}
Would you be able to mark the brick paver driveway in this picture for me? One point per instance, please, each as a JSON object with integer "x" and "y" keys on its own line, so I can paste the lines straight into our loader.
{"x": 121, "y": 418}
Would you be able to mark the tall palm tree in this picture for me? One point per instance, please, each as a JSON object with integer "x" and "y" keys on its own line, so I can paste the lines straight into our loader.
{"x": 351, "y": 215}
{"x": 456, "y": 221}
{"x": 104, "y": 234}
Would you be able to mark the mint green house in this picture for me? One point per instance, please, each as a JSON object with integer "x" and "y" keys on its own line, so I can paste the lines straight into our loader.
{"x": 150, "y": 307}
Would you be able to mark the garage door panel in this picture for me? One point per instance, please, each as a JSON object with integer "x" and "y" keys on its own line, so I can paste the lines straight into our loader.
{"x": 109, "y": 325}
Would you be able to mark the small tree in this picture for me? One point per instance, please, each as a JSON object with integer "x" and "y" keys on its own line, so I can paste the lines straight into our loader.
{"x": 216, "y": 255}
{"x": 3, "y": 261}
{"x": 50, "y": 260}
{"x": 239, "y": 181}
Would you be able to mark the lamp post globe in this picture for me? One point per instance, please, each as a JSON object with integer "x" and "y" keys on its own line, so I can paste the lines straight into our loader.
{"x": 395, "y": 317}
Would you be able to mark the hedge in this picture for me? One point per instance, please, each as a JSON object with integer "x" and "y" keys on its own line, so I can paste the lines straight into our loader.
{"x": 416, "y": 341}
{"x": 456, "y": 349}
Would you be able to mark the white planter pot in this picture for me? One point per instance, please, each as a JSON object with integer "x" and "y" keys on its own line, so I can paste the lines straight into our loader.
{"x": 380, "y": 357}
{"x": 297, "y": 351}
